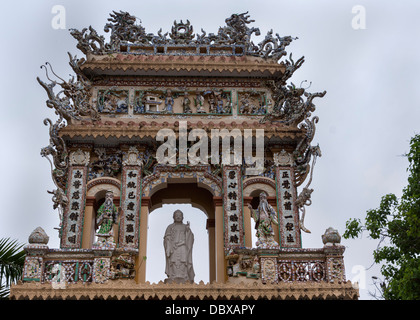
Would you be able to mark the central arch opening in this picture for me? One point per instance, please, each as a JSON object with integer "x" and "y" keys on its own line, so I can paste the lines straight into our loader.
{"x": 197, "y": 205}
{"x": 159, "y": 220}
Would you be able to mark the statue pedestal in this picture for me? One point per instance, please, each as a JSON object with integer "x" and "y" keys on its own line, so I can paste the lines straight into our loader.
{"x": 105, "y": 241}
{"x": 177, "y": 280}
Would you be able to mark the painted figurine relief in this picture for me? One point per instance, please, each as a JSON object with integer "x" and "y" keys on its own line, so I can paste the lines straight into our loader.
{"x": 178, "y": 243}
{"x": 106, "y": 217}
{"x": 169, "y": 102}
{"x": 113, "y": 101}
{"x": 199, "y": 102}
{"x": 264, "y": 216}
{"x": 186, "y": 103}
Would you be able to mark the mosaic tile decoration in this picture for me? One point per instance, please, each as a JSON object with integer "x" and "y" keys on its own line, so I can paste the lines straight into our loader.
{"x": 233, "y": 215}
{"x": 74, "y": 212}
{"x": 288, "y": 212}
{"x": 130, "y": 204}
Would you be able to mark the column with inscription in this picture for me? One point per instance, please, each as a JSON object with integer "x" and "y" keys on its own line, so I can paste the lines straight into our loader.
{"x": 289, "y": 231}
{"x": 232, "y": 201}
{"x": 130, "y": 200}
{"x": 71, "y": 232}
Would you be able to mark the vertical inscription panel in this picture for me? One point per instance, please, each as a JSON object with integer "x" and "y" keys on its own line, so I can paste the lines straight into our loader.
{"x": 130, "y": 204}
{"x": 288, "y": 212}
{"x": 232, "y": 197}
{"x": 73, "y": 214}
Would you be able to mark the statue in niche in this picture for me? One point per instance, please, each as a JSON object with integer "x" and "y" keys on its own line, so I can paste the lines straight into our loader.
{"x": 106, "y": 218}
{"x": 139, "y": 106}
{"x": 264, "y": 216}
{"x": 219, "y": 103}
{"x": 169, "y": 102}
{"x": 212, "y": 101}
{"x": 178, "y": 243}
{"x": 199, "y": 102}
{"x": 186, "y": 103}
{"x": 110, "y": 104}
{"x": 245, "y": 104}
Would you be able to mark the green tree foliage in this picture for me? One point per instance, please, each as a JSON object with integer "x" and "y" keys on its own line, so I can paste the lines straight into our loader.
{"x": 12, "y": 259}
{"x": 396, "y": 223}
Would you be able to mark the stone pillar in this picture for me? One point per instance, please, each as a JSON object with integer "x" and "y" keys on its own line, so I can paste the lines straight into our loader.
{"x": 333, "y": 256}
{"x": 247, "y": 223}
{"x": 34, "y": 261}
{"x": 88, "y": 224}
{"x": 140, "y": 264}
{"x": 335, "y": 263}
{"x": 219, "y": 237}
{"x": 210, "y": 226}
{"x": 71, "y": 233}
{"x": 273, "y": 202}
{"x": 289, "y": 230}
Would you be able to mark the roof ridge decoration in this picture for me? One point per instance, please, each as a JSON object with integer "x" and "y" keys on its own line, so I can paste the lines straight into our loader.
{"x": 235, "y": 38}
{"x": 290, "y": 107}
{"x": 75, "y": 100}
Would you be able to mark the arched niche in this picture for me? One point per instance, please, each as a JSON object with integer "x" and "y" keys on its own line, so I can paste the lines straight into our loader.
{"x": 199, "y": 193}
{"x": 159, "y": 219}
{"x": 95, "y": 195}
{"x": 252, "y": 187}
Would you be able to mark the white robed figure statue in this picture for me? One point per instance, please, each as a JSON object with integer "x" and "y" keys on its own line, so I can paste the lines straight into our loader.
{"x": 264, "y": 216}
{"x": 178, "y": 243}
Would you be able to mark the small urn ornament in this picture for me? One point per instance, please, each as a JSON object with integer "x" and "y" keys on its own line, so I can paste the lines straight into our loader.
{"x": 331, "y": 237}
{"x": 38, "y": 236}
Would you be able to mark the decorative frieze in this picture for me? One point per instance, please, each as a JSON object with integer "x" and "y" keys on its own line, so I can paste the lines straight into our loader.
{"x": 79, "y": 158}
{"x": 269, "y": 272}
{"x": 201, "y": 173}
{"x": 291, "y": 270}
{"x": 335, "y": 271}
{"x": 32, "y": 270}
{"x": 101, "y": 269}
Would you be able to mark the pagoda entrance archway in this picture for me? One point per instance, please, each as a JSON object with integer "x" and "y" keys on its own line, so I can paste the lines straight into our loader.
{"x": 200, "y": 192}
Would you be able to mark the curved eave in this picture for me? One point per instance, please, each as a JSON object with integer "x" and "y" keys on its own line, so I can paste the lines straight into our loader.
{"x": 169, "y": 65}
{"x": 143, "y": 129}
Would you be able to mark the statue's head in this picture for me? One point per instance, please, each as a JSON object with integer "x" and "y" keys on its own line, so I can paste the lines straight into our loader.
{"x": 263, "y": 196}
{"x": 109, "y": 197}
{"x": 178, "y": 216}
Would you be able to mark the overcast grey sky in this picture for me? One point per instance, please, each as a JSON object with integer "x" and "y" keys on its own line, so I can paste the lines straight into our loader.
{"x": 367, "y": 117}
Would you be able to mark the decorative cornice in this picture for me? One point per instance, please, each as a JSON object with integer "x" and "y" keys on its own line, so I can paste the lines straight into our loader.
{"x": 249, "y": 181}
{"x": 129, "y": 128}
{"x": 122, "y": 63}
{"x": 103, "y": 180}
{"x": 128, "y": 289}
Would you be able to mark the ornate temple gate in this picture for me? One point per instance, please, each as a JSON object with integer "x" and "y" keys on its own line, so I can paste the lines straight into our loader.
{"x": 104, "y": 151}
